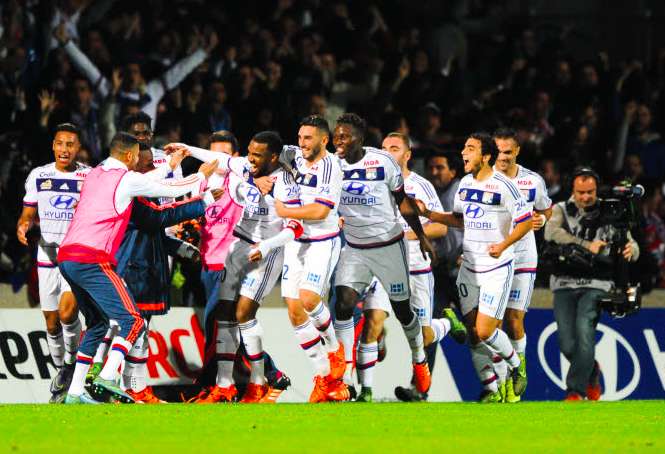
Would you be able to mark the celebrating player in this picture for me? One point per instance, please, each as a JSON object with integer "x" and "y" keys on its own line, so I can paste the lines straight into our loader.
{"x": 494, "y": 216}
{"x": 87, "y": 259}
{"x": 534, "y": 191}
{"x": 371, "y": 203}
{"x": 51, "y": 194}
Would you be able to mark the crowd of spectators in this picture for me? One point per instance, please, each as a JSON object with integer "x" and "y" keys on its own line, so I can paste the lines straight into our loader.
{"x": 432, "y": 70}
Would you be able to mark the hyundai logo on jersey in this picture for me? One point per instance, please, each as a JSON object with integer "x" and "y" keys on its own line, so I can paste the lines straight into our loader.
{"x": 473, "y": 211}
{"x": 253, "y": 195}
{"x": 62, "y": 202}
{"x": 353, "y": 187}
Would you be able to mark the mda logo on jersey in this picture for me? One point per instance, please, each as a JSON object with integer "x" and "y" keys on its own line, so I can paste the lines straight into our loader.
{"x": 353, "y": 187}
{"x": 62, "y": 202}
{"x": 474, "y": 211}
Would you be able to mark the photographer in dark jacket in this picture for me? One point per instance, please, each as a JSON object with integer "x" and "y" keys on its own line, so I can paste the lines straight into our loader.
{"x": 576, "y": 307}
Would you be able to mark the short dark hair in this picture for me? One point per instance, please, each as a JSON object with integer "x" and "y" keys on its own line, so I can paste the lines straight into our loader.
{"x": 132, "y": 119}
{"x": 454, "y": 161}
{"x": 270, "y": 138}
{"x": 68, "y": 127}
{"x": 355, "y": 121}
{"x": 487, "y": 145}
{"x": 317, "y": 121}
{"x": 225, "y": 136}
{"x": 143, "y": 146}
{"x": 506, "y": 133}
{"x": 122, "y": 141}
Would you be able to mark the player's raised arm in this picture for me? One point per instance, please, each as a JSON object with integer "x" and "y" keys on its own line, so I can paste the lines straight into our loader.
{"x": 224, "y": 161}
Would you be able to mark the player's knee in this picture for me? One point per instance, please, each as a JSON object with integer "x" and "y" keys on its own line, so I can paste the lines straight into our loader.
{"x": 346, "y": 301}
{"x": 309, "y": 299}
{"x": 68, "y": 312}
{"x": 403, "y": 311}
{"x": 428, "y": 335}
{"x": 297, "y": 315}
{"x": 485, "y": 332}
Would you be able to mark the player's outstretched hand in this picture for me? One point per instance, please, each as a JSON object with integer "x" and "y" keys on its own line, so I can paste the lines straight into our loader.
{"x": 177, "y": 157}
{"x": 207, "y": 168}
{"x": 255, "y": 254}
{"x": 538, "y": 221}
{"x": 264, "y": 184}
{"x": 495, "y": 250}
{"x": 21, "y": 233}
{"x": 173, "y": 147}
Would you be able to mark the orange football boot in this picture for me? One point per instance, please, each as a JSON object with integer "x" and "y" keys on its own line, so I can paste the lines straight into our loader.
{"x": 219, "y": 394}
{"x": 337, "y": 391}
{"x": 254, "y": 393}
{"x": 320, "y": 391}
{"x": 422, "y": 376}
{"x": 146, "y": 396}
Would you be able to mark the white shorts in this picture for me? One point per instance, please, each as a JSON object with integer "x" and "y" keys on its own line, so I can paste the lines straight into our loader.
{"x": 390, "y": 265}
{"x": 51, "y": 287}
{"x": 486, "y": 291}
{"x": 253, "y": 280}
{"x": 309, "y": 266}
{"x": 521, "y": 291}
{"x": 422, "y": 297}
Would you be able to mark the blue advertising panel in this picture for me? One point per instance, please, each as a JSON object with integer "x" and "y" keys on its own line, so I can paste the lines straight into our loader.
{"x": 630, "y": 351}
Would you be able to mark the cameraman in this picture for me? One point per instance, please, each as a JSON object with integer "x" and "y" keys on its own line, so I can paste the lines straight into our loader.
{"x": 576, "y": 308}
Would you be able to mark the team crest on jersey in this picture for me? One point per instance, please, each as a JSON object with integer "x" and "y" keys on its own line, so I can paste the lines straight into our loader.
{"x": 371, "y": 173}
{"x": 46, "y": 185}
{"x": 487, "y": 197}
{"x": 529, "y": 194}
{"x": 79, "y": 185}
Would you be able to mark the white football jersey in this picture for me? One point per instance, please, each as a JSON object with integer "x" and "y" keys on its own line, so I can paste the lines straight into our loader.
{"x": 371, "y": 216}
{"x": 320, "y": 183}
{"x": 534, "y": 190}
{"x": 259, "y": 220}
{"x": 490, "y": 209}
{"x": 419, "y": 188}
{"x": 55, "y": 195}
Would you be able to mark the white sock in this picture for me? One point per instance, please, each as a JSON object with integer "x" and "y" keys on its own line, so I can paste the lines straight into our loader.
{"x": 368, "y": 355}
{"x": 499, "y": 343}
{"x": 119, "y": 350}
{"x": 56, "y": 348}
{"x": 482, "y": 362}
{"x": 310, "y": 341}
{"x": 519, "y": 345}
{"x": 414, "y": 335}
{"x": 251, "y": 337}
{"x": 345, "y": 332}
{"x": 228, "y": 340}
{"x": 500, "y": 368}
{"x": 323, "y": 321}
{"x": 71, "y": 334}
{"x": 78, "y": 379}
{"x": 135, "y": 369}
{"x": 441, "y": 327}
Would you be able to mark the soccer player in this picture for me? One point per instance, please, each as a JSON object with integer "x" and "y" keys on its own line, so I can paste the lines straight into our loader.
{"x": 309, "y": 262}
{"x": 371, "y": 203}
{"x": 51, "y": 194}
{"x": 142, "y": 262}
{"x": 534, "y": 190}
{"x": 86, "y": 259}
{"x": 494, "y": 215}
{"x": 421, "y": 279}
{"x": 250, "y": 275}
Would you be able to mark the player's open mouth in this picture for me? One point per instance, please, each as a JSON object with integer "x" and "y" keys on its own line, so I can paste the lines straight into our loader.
{"x": 63, "y": 157}
{"x": 339, "y": 150}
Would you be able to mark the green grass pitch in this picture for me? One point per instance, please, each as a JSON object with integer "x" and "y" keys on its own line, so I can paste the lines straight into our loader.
{"x": 340, "y": 428}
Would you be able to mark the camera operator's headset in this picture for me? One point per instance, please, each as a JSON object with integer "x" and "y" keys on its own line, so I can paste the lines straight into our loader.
{"x": 580, "y": 171}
